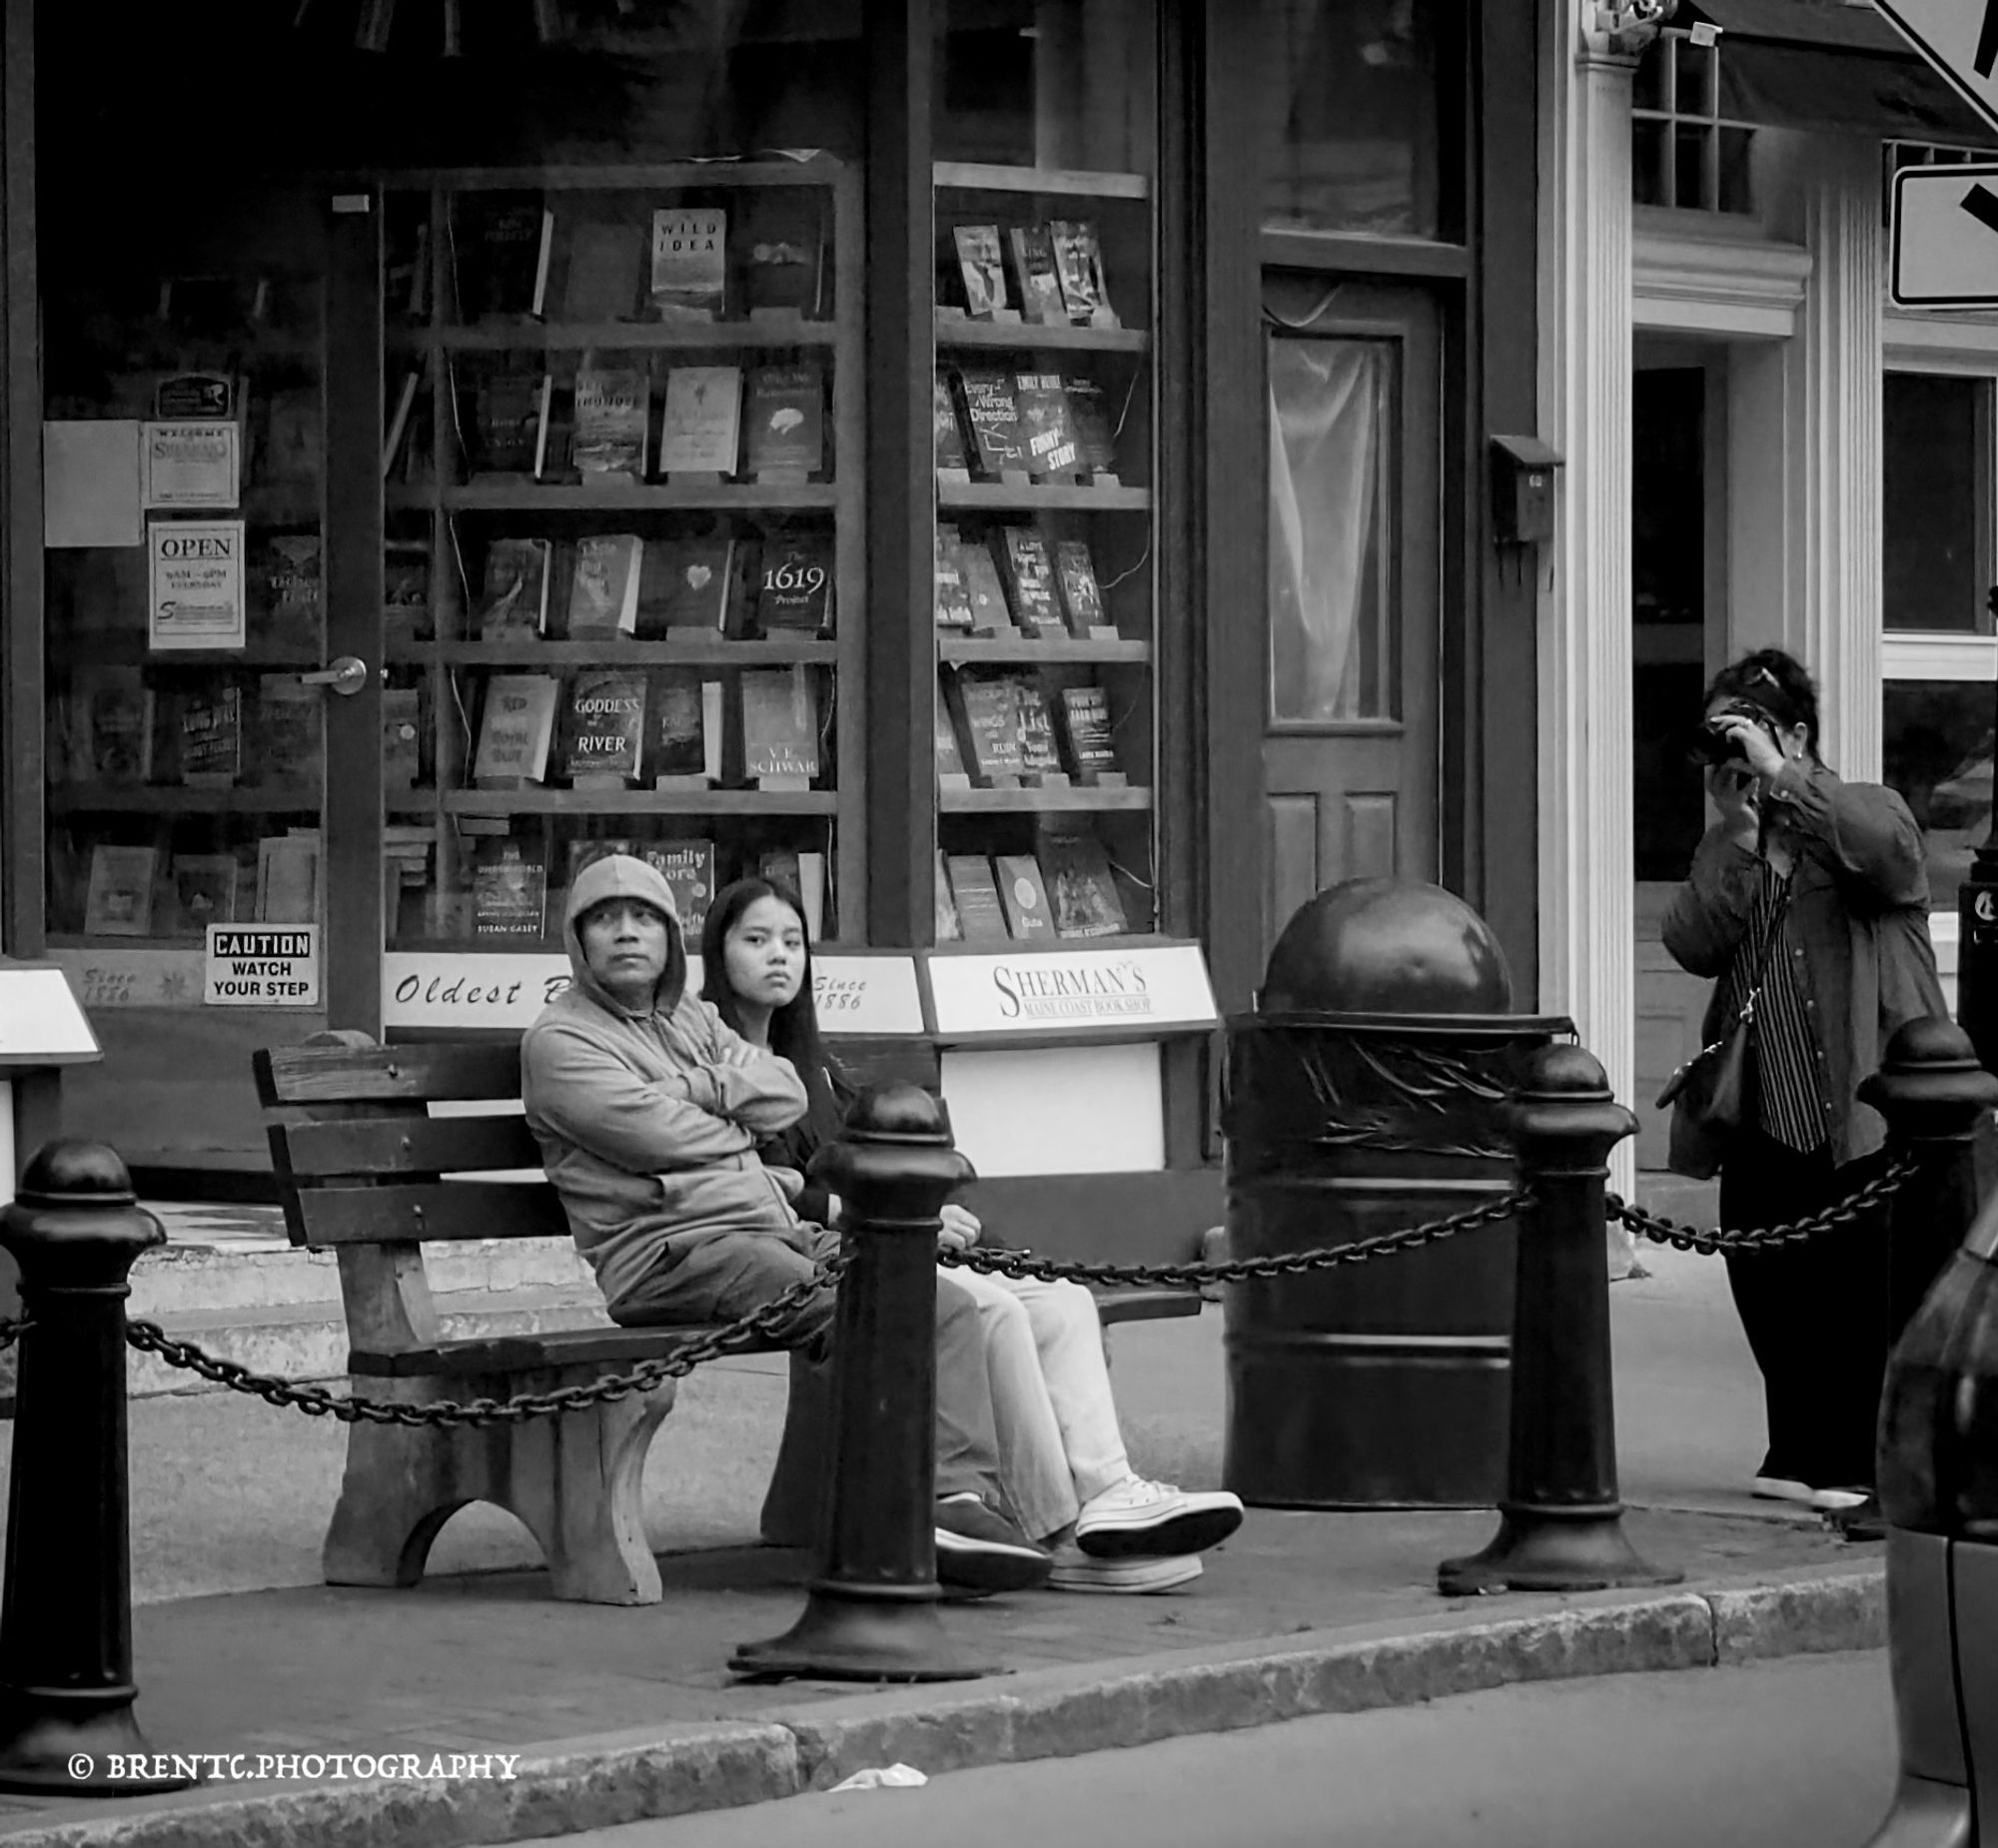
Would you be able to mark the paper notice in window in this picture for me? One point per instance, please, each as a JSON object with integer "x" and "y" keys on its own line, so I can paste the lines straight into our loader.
{"x": 195, "y": 572}
{"x": 90, "y": 483}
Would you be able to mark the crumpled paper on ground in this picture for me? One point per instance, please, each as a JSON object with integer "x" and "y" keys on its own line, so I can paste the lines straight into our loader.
{"x": 883, "y": 1777}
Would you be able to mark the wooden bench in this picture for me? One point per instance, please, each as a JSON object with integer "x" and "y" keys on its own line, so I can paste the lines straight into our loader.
{"x": 362, "y": 1164}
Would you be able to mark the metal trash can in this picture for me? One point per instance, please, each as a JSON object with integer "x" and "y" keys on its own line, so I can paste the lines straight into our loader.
{"x": 1364, "y": 1095}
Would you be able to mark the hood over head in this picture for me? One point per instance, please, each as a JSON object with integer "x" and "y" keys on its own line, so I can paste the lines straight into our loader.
{"x": 620, "y": 875}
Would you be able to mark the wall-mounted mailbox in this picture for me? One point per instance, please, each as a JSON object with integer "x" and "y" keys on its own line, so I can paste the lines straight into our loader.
{"x": 1522, "y": 490}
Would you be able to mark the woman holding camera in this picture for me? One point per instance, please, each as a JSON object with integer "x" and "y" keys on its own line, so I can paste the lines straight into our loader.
{"x": 1812, "y": 896}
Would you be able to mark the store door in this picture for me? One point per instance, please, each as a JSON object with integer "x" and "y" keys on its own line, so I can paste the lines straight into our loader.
{"x": 1349, "y": 738}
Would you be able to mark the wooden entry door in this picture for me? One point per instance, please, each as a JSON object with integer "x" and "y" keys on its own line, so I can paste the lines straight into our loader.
{"x": 1352, "y": 612}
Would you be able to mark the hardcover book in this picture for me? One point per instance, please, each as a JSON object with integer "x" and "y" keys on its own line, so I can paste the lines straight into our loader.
{"x": 950, "y": 459}
{"x": 288, "y": 877}
{"x": 119, "y": 899}
{"x": 689, "y": 271}
{"x": 515, "y": 728}
{"x": 952, "y": 600}
{"x": 1082, "y": 891}
{"x": 1030, "y": 582}
{"x": 603, "y": 588}
{"x": 779, "y": 724}
{"x": 794, "y": 586}
{"x": 290, "y": 734}
{"x": 976, "y": 893}
{"x": 1079, "y": 264}
{"x": 980, "y": 268}
{"x": 204, "y": 886}
{"x": 507, "y": 406}
{"x": 499, "y": 246}
{"x": 1083, "y": 730}
{"x": 515, "y": 597}
{"x": 284, "y": 588}
{"x": 1031, "y": 254}
{"x": 785, "y": 421}
{"x": 1045, "y": 425}
{"x": 115, "y": 736}
{"x": 1039, "y": 757}
{"x": 986, "y": 715}
{"x": 607, "y": 437}
{"x": 1089, "y": 418}
{"x": 211, "y": 736}
{"x": 510, "y": 889}
{"x": 687, "y": 867}
{"x": 1022, "y": 895}
{"x": 684, "y": 585}
{"x": 1081, "y": 597}
{"x": 783, "y": 254}
{"x": 683, "y": 729}
{"x": 989, "y": 613}
{"x": 700, "y": 430}
{"x": 603, "y": 729}
{"x": 604, "y": 263}
{"x": 992, "y": 415}
{"x": 401, "y": 738}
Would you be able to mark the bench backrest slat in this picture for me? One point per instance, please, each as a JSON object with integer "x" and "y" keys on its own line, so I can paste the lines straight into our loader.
{"x": 423, "y": 1073}
{"x": 405, "y": 1212}
{"x": 406, "y": 1145}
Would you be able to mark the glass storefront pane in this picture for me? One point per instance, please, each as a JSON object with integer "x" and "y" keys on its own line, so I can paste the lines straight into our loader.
{"x": 1936, "y": 503}
{"x": 1331, "y": 529}
{"x": 1938, "y": 749}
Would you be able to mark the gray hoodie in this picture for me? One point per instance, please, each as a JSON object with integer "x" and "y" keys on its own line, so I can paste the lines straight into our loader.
{"x": 648, "y": 1124}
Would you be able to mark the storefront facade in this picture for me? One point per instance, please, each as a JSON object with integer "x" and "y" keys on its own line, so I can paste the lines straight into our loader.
{"x": 1019, "y": 471}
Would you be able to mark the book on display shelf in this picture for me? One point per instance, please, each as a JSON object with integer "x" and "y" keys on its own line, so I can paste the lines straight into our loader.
{"x": 804, "y": 870}
{"x": 1095, "y": 432}
{"x": 1083, "y": 730}
{"x": 586, "y": 851}
{"x": 951, "y": 464}
{"x": 119, "y": 902}
{"x": 1079, "y": 264}
{"x": 1023, "y": 896}
{"x": 794, "y": 586}
{"x": 948, "y": 925}
{"x": 516, "y": 730}
{"x": 205, "y": 889}
{"x": 1030, "y": 583}
{"x": 1039, "y": 760}
{"x": 783, "y": 256}
{"x": 603, "y": 729}
{"x": 700, "y": 427}
{"x": 780, "y": 718}
{"x": 398, "y": 431}
{"x": 987, "y": 716}
{"x": 687, "y": 867}
{"x": 515, "y": 600}
{"x": 690, "y": 267}
{"x": 1081, "y": 594}
{"x": 603, "y": 586}
{"x": 288, "y": 734}
{"x": 684, "y": 583}
{"x": 975, "y": 892}
{"x": 952, "y": 600}
{"x": 510, "y": 889}
{"x": 115, "y": 730}
{"x": 946, "y": 750}
{"x": 1030, "y": 253}
{"x": 499, "y": 245}
{"x": 605, "y": 260}
{"x": 992, "y": 416}
{"x": 784, "y": 422}
{"x": 608, "y": 437}
{"x": 1082, "y": 889}
{"x": 283, "y": 588}
{"x": 981, "y": 272}
{"x": 1046, "y": 425}
{"x": 990, "y": 613}
{"x": 684, "y": 729}
{"x": 508, "y": 418}
{"x": 211, "y": 735}
{"x": 288, "y": 877}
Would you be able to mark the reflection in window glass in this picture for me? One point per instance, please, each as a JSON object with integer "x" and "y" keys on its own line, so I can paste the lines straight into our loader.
{"x": 1938, "y": 756}
{"x": 1330, "y": 551}
{"x": 1351, "y": 132}
{"x": 1936, "y": 503}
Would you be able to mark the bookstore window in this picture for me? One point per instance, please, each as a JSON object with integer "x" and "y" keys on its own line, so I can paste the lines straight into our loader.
{"x": 1685, "y": 152}
{"x": 1045, "y": 606}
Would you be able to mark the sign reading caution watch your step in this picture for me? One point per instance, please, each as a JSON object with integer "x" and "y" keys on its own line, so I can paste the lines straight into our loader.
{"x": 262, "y": 965}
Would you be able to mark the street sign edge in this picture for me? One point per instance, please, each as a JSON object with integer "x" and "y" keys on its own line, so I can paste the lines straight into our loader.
{"x": 1955, "y": 171}
{"x": 1988, "y": 111}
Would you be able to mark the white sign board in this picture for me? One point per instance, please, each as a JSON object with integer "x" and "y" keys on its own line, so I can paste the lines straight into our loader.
{"x": 1141, "y": 989}
{"x": 195, "y": 579}
{"x": 1958, "y": 37}
{"x": 195, "y": 465}
{"x": 1945, "y": 237}
{"x": 40, "y": 1021}
{"x": 261, "y": 966}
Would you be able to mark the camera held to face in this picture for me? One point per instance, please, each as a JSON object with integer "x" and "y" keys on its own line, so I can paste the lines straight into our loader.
{"x": 1715, "y": 743}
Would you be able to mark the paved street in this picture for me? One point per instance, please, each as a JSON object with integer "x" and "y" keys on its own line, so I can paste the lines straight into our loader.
{"x": 1797, "y": 1753}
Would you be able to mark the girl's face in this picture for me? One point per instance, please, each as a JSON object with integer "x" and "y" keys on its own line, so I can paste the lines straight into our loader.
{"x": 764, "y": 955}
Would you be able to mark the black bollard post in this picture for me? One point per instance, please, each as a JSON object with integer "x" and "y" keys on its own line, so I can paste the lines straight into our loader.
{"x": 66, "y": 1689}
{"x": 1933, "y": 1091}
{"x": 1560, "y": 1524}
{"x": 870, "y": 1612}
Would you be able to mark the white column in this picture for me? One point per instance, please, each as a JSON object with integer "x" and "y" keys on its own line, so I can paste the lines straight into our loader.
{"x": 1587, "y": 908}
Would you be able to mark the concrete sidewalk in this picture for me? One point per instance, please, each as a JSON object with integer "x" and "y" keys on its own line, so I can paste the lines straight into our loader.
{"x": 618, "y": 1714}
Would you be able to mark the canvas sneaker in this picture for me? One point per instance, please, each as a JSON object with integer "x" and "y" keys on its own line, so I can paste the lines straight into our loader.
{"x": 1075, "y": 1570}
{"x": 1155, "y": 1519}
{"x": 978, "y": 1549}
{"x": 1781, "y": 1488}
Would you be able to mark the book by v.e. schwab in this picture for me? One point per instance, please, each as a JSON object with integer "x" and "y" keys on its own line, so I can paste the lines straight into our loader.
{"x": 779, "y": 723}
{"x": 785, "y": 422}
{"x": 515, "y": 728}
{"x": 612, "y": 406}
{"x": 603, "y": 728}
{"x": 690, "y": 269}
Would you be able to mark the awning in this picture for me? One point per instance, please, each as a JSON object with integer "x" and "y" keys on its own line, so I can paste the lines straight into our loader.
{"x": 1831, "y": 68}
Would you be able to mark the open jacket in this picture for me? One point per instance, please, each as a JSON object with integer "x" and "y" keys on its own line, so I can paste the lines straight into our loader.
{"x": 648, "y": 1128}
{"x": 1858, "y": 921}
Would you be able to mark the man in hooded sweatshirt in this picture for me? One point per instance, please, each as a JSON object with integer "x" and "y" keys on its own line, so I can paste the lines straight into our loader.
{"x": 649, "y": 1110}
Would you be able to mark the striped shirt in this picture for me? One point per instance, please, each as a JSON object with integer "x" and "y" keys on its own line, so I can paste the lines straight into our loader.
{"x": 1790, "y": 1102}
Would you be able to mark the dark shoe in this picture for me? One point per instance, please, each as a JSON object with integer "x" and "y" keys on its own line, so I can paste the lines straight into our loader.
{"x": 979, "y": 1549}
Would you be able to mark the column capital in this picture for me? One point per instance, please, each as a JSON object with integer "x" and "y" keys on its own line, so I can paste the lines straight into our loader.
{"x": 1618, "y": 35}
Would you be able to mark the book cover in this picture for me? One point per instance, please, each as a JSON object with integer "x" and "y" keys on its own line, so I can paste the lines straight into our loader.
{"x": 779, "y": 723}
{"x": 401, "y": 737}
{"x": 784, "y": 252}
{"x": 507, "y": 407}
{"x": 290, "y": 734}
{"x": 510, "y": 889}
{"x": 1082, "y": 891}
{"x": 114, "y": 735}
{"x": 514, "y": 598}
{"x": 119, "y": 902}
{"x": 603, "y": 728}
{"x": 1089, "y": 418}
{"x": 684, "y": 585}
{"x": 288, "y": 441}
{"x": 948, "y": 755}
{"x": 1030, "y": 253}
{"x": 608, "y": 437}
{"x": 604, "y": 587}
{"x": 687, "y": 867}
{"x": 1022, "y": 895}
{"x": 1078, "y": 265}
{"x": 785, "y": 420}
{"x": 604, "y": 264}
{"x": 980, "y": 267}
{"x": 516, "y": 730}
{"x": 288, "y": 877}
{"x": 989, "y": 612}
{"x": 690, "y": 269}
{"x": 952, "y": 600}
{"x": 794, "y": 584}
{"x": 976, "y": 895}
{"x": 1030, "y": 582}
{"x": 992, "y": 415}
{"x": 1083, "y": 730}
{"x": 499, "y": 246}
{"x": 1052, "y": 453}
{"x": 204, "y": 886}
{"x": 950, "y": 926}
{"x": 1039, "y": 756}
{"x": 986, "y": 715}
{"x": 1081, "y": 595}
{"x": 679, "y": 745}
{"x": 406, "y": 591}
{"x": 949, "y": 433}
{"x": 211, "y": 736}
{"x": 700, "y": 429}
{"x": 583, "y": 851}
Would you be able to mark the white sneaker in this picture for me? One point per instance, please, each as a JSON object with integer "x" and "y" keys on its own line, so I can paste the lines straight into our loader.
{"x": 1075, "y": 1570}
{"x": 1155, "y": 1519}
{"x": 1781, "y": 1488}
{"x": 1839, "y": 1500}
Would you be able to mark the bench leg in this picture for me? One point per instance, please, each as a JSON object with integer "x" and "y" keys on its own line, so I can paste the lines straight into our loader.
{"x": 401, "y": 1485}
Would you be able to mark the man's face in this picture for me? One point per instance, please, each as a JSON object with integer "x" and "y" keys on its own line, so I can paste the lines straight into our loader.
{"x": 625, "y": 945}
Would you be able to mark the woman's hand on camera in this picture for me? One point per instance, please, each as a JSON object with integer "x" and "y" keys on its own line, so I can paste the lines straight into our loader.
{"x": 1753, "y": 743}
{"x": 1733, "y": 791}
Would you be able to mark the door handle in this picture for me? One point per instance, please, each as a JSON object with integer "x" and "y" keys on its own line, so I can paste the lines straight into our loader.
{"x": 346, "y": 675}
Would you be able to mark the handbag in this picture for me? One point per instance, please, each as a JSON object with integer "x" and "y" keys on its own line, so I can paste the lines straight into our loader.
{"x": 1712, "y": 1094}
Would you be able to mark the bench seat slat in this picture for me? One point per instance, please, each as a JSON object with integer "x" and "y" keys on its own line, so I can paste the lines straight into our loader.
{"x": 415, "y": 1211}
{"x": 368, "y": 1146}
{"x": 612, "y": 1349}
{"x": 1144, "y": 1303}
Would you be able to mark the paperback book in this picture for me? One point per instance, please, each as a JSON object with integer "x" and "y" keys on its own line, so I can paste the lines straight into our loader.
{"x": 700, "y": 428}
{"x": 1081, "y": 595}
{"x": 1052, "y": 454}
{"x": 508, "y": 404}
{"x": 1079, "y": 264}
{"x": 794, "y": 586}
{"x": 785, "y": 421}
{"x": 515, "y": 728}
{"x": 1083, "y": 730}
{"x": 684, "y": 583}
{"x": 986, "y": 715}
{"x": 288, "y": 877}
{"x": 604, "y": 262}
{"x": 114, "y": 735}
{"x": 951, "y": 465}
{"x": 980, "y": 268}
{"x": 290, "y": 734}
{"x": 510, "y": 889}
{"x": 1040, "y": 759}
{"x": 608, "y": 434}
{"x": 952, "y": 600}
{"x": 514, "y": 601}
{"x": 989, "y": 612}
{"x": 780, "y": 725}
{"x": 689, "y": 269}
{"x": 687, "y": 867}
{"x": 976, "y": 895}
{"x": 1081, "y": 890}
{"x": 1089, "y": 417}
{"x": 1023, "y": 896}
{"x": 501, "y": 245}
{"x": 992, "y": 415}
{"x": 603, "y": 586}
{"x": 603, "y": 729}
{"x": 1030, "y": 582}
{"x": 119, "y": 902}
{"x": 1030, "y": 251}
{"x": 211, "y": 736}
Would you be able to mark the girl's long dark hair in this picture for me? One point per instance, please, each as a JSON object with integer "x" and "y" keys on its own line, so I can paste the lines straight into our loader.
{"x": 794, "y": 1033}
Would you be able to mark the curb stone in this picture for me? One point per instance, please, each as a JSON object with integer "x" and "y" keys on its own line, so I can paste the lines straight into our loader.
{"x": 595, "y": 1784}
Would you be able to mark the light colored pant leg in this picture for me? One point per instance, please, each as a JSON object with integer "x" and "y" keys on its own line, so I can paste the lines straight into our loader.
{"x": 1068, "y": 1337}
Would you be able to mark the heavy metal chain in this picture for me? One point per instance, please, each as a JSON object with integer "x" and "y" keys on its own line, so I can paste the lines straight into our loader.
{"x": 1686, "y": 1238}
{"x": 1017, "y": 1265}
{"x": 760, "y": 1328}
